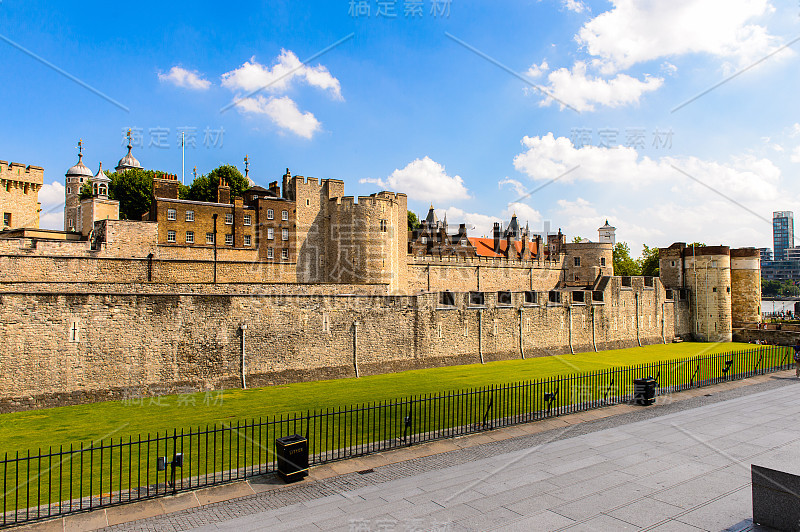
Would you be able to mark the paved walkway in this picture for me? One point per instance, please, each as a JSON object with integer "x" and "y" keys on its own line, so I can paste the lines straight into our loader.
{"x": 681, "y": 465}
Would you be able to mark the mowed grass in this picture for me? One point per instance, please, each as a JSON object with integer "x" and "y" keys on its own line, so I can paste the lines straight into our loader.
{"x": 100, "y": 421}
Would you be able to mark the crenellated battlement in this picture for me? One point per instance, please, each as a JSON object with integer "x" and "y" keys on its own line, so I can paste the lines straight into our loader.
{"x": 366, "y": 203}
{"x": 471, "y": 262}
{"x": 19, "y": 172}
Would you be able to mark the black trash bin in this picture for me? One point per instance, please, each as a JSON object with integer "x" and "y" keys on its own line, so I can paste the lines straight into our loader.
{"x": 644, "y": 391}
{"x": 292, "y": 454}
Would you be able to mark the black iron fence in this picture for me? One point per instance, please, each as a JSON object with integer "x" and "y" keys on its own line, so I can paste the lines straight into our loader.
{"x": 63, "y": 480}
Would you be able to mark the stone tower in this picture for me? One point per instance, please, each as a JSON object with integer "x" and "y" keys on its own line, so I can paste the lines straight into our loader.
{"x": 75, "y": 178}
{"x": 745, "y": 286}
{"x": 706, "y": 273}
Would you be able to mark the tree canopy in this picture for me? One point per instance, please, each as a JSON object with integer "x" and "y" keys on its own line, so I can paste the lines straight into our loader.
{"x": 649, "y": 261}
{"x": 623, "y": 263}
{"x": 413, "y": 221}
{"x": 134, "y": 191}
{"x": 779, "y": 288}
{"x": 204, "y": 188}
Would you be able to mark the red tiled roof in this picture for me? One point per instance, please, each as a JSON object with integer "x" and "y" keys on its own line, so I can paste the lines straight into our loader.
{"x": 484, "y": 247}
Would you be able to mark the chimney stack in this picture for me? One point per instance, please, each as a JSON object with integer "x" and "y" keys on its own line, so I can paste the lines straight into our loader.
{"x": 223, "y": 192}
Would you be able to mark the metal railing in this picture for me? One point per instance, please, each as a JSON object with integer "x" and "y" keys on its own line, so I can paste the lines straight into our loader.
{"x": 39, "y": 485}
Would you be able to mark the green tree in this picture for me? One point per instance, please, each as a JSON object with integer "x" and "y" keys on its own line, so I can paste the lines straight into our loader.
{"x": 413, "y": 221}
{"x": 770, "y": 288}
{"x": 204, "y": 188}
{"x": 577, "y": 240}
{"x": 623, "y": 263}
{"x": 134, "y": 191}
{"x": 648, "y": 263}
{"x": 86, "y": 191}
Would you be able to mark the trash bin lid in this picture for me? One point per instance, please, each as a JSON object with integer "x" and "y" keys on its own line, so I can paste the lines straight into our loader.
{"x": 294, "y": 438}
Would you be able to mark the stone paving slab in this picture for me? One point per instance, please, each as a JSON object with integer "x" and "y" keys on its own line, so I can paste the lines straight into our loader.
{"x": 522, "y": 477}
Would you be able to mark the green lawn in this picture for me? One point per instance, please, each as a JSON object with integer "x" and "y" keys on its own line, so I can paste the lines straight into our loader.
{"x": 234, "y": 443}
{"x": 92, "y": 422}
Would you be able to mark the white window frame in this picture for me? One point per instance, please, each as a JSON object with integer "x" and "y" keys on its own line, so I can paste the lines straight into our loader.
{"x": 284, "y": 215}
{"x": 172, "y": 236}
{"x": 284, "y": 234}
{"x": 270, "y": 233}
{"x": 228, "y": 218}
{"x": 270, "y": 214}
{"x": 229, "y": 239}
{"x": 190, "y": 237}
{"x": 284, "y": 254}
{"x": 270, "y": 253}
{"x": 247, "y": 240}
{"x": 248, "y": 220}
{"x": 189, "y": 216}
{"x": 209, "y": 238}
{"x": 172, "y": 214}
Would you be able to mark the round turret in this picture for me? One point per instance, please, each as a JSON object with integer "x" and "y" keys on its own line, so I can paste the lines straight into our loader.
{"x": 75, "y": 177}
{"x": 745, "y": 286}
{"x": 708, "y": 277}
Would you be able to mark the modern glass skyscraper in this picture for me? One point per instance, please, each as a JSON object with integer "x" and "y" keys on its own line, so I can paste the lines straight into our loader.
{"x": 782, "y": 233}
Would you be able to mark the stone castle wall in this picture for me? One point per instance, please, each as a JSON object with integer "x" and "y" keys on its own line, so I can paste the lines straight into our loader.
{"x": 480, "y": 273}
{"x": 19, "y": 194}
{"x": 81, "y": 345}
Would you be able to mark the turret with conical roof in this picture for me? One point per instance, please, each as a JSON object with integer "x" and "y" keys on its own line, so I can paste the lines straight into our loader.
{"x": 100, "y": 183}
{"x": 431, "y": 221}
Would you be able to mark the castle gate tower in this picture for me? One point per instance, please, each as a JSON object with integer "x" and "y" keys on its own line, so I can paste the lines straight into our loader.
{"x": 745, "y": 286}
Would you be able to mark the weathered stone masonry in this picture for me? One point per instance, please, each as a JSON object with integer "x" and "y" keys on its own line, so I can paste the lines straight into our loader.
{"x": 80, "y": 346}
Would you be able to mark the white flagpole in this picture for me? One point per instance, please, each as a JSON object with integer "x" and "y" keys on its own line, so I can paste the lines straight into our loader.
{"x": 183, "y": 159}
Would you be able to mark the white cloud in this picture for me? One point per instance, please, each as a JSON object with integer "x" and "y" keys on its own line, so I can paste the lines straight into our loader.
{"x": 634, "y": 32}
{"x": 424, "y": 180}
{"x": 547, "y": 157}
{"x": 525, "y": 213}
{"x": 537, "y": 70}
{"x": 252, "y": 76}
{"x": 575, "y": 6}
{"x": 650, "y": 201}
{"x": 575, "y": 88}
{"x": 278, "y": 79}
{"x": 180, "y": 77}
{"x": 795, "y": 130}
{"x": 795, "y": 157}
{"x": 668, "y": 68}
{"x": 51, "y": 194}
{"x": 284, "y": 113}
{"x": 519, "y": 188}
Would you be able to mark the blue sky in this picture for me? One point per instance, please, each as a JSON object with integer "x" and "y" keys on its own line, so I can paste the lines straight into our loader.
{"x": 423, "y": 103}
